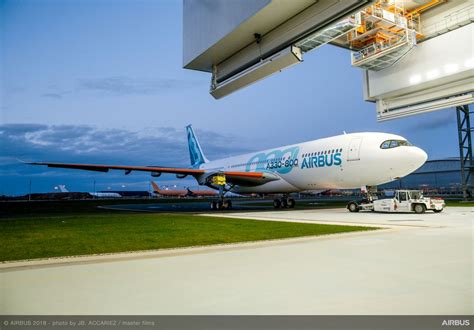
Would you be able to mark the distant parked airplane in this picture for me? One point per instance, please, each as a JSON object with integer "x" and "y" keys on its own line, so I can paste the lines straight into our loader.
{"x": 63, "y": 189}
{"x": 182, "y": 193}
{"x": 346, "y": 161}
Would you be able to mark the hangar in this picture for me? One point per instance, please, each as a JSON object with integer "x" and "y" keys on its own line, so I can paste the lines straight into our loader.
{"x": 435, "y": 177}
{"x": 395, "y": 43}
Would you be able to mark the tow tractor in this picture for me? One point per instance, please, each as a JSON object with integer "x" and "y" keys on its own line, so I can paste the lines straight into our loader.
{"x": 403, "y": 201}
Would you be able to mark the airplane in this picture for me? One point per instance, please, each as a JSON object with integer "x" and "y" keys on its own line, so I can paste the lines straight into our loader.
{"x": 347, "y": 161}
{"x": 182, "y": 193}
{"x": 99, "y": 194}
{"x": 62, "y": 188}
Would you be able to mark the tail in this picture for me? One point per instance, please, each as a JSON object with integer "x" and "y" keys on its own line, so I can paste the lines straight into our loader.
{"x": 155, "y": 187}
{"x": 195, "y": 151}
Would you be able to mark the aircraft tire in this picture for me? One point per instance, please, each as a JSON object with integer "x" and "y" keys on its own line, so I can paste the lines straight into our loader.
{"x": 284, "y": 203}
{"x": 291, "y": 203}
{"x": 220, "y": 205}
{"x": 227, "y": 204}
{"x": 213, "y": 205}
{"x": 276, "y": 203}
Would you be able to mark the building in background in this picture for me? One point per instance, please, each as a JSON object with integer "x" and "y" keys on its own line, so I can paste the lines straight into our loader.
{"x": 435, "y": 177}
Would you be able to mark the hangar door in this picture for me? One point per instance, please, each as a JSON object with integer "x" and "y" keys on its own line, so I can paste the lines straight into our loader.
{"x": 354, "y": 149}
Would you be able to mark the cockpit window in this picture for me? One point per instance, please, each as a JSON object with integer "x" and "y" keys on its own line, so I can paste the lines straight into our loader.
{"x": 394, "y": 143}
{"x": 404, "y": 143}
{"x": 385, "y": 145}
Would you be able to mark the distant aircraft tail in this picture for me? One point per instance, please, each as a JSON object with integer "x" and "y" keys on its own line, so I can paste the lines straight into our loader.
{"x": 155, "y": 187}
{"x": 62, "y": 188}
{"x": 195, "y": 152}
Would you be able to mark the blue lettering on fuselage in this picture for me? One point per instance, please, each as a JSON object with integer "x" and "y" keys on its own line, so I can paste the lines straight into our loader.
{"x": 279, "y": 160}
{"x": 321, "y": 160}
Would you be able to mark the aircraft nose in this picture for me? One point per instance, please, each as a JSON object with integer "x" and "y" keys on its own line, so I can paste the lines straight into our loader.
{"x": 419, "y": 156}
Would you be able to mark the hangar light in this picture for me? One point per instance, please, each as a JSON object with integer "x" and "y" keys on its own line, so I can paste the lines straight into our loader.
{"x": 415, "y": 79}
{"x": 451, "y": 68}
{"x": 275, "y": 63}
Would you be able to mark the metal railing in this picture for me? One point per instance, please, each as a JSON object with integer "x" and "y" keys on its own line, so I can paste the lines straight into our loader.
{"x": 449, "y": 22}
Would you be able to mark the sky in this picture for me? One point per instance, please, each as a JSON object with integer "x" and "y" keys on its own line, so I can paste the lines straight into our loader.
{"x": 101, "y": 81}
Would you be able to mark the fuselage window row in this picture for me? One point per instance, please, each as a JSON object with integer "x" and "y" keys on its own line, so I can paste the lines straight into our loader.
{"x": 325, "y": 152}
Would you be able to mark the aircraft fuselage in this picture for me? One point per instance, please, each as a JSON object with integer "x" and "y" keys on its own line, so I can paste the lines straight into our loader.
{"x": 346, "y": 161}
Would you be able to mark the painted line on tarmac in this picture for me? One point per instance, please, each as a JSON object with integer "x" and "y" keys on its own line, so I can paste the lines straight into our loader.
{"x": 320, "y": 221}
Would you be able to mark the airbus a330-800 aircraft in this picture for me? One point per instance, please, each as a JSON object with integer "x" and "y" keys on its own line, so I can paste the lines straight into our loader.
{"x": 346, "y": 161}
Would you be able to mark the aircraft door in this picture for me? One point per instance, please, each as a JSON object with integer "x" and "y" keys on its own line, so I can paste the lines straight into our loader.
{"x": 354, "y": 149}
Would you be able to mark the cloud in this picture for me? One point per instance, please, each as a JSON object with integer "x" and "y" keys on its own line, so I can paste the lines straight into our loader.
{"x": 165, "y": 146}
{"x": 125, "y": 85}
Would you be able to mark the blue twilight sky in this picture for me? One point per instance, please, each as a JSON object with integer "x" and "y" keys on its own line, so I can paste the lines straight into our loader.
{"x": 101, "y": 81}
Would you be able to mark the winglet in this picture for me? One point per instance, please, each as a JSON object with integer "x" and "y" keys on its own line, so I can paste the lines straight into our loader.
{"x": 22, "y": 161}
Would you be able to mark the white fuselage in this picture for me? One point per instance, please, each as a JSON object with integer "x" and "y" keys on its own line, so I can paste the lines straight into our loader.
{"x": 346, "y": 161}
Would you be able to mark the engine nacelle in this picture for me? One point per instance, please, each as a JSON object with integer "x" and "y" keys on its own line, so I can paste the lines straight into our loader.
{"x": 155, "y": 174}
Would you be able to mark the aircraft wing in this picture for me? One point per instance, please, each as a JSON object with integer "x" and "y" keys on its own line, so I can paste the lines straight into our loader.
{"x": 106, "y": 168}
{"x": 234, "y": 177}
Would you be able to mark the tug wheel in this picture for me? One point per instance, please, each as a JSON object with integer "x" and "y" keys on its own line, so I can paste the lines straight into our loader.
{"x": 353, "y": 207}
{"x": 419, "y": 208}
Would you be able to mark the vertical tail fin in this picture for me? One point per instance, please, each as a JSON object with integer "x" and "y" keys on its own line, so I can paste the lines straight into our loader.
{"x": 155, "y": 187}
{"x": 195, "y": 151}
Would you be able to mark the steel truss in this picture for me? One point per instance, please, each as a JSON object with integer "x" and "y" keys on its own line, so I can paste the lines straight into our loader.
{"x": 465, "y": 149}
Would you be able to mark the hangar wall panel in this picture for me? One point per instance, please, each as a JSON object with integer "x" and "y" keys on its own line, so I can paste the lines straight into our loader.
{"x": 205, "y": 22}
{"x": 423, "y": 67}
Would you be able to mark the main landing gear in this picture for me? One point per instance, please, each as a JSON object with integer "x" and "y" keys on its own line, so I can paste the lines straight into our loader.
{"x": 221, "y": 205}
{"x": 283, "y": 203}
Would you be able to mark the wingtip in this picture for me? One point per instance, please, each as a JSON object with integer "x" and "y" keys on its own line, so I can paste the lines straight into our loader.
{"x": 22, "y": 161}
{"x": 28, "y": 162}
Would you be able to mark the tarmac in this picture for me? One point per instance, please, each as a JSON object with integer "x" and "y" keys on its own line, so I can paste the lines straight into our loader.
{"x": 415, "y": 265}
